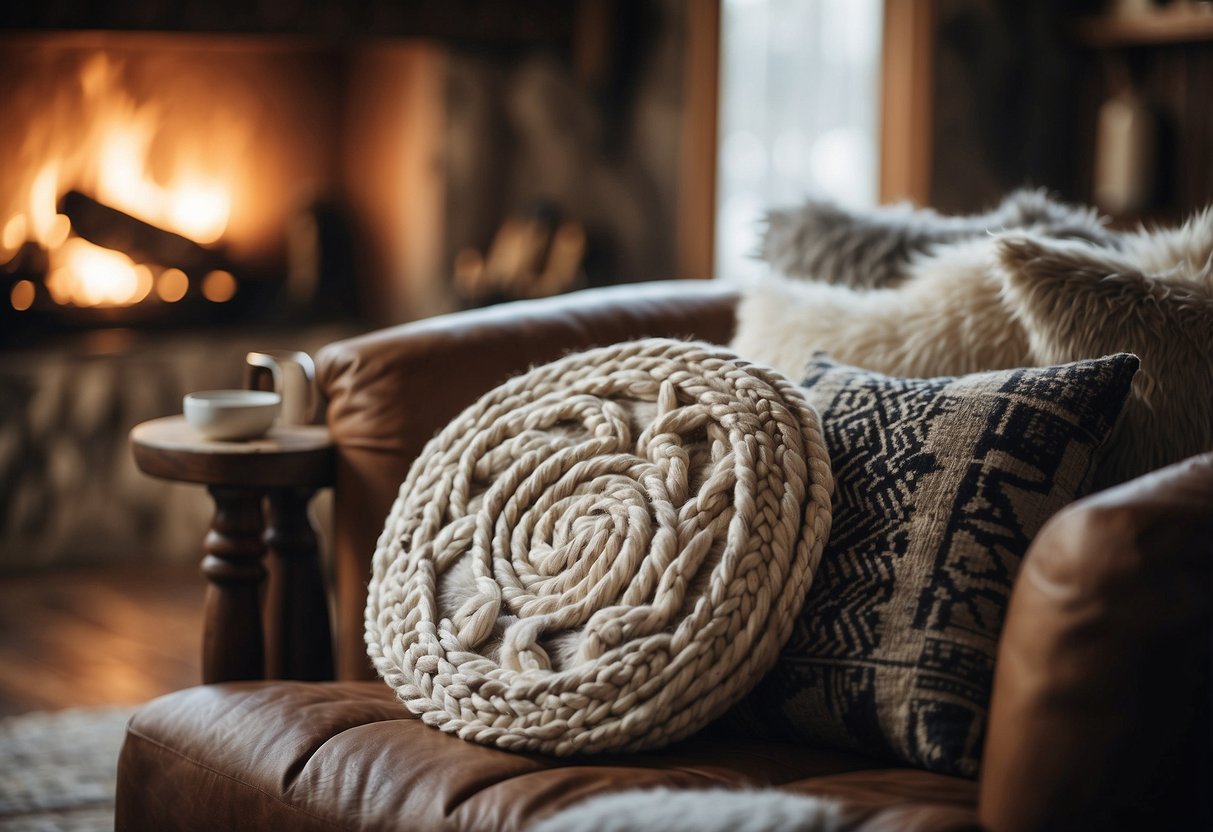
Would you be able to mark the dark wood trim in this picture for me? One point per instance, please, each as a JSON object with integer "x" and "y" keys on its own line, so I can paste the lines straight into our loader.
{"x": 696, "y": 215}
{"x": 907, "y": 78}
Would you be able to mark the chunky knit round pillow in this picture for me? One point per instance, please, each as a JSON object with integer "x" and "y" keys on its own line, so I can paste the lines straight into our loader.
{"x": 603, "y": 553}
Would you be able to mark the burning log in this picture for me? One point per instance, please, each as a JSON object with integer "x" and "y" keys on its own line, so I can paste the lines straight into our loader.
{"x": 142, "y": 241}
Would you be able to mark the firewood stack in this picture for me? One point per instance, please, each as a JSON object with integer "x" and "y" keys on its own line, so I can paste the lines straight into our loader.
{"x": 533, "y": 254}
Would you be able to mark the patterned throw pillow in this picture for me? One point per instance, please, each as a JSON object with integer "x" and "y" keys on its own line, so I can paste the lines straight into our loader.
{"x": 940, "y": 486}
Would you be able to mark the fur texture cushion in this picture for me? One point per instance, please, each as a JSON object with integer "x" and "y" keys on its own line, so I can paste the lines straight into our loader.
{"x": 702, "y": 810}
{"x": 1155, "y": 299}
{"x": 1021, "y": 300}
{"x": 948, "y": 320}
{"x": 872, "y": 249}
{"x": 604, "y": 553}
{"x": 940, "y": 486}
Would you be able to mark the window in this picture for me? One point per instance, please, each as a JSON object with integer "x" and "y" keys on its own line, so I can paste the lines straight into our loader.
{"x": 799, "y": 114}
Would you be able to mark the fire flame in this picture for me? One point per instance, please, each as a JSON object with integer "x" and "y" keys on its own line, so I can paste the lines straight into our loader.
{"x": 190, "y": 204}
{"x": 118, "y": 160}
{"x": 87, "y": 275}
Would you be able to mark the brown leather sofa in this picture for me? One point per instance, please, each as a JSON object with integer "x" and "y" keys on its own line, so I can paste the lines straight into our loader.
{"x": 1101, "y": 710}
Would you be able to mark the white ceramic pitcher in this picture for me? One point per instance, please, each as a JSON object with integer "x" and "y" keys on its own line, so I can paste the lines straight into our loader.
{"x": 294, "y": 378}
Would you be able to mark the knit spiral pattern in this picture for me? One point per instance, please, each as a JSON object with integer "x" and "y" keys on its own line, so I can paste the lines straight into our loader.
{"x": 604, "y": 553}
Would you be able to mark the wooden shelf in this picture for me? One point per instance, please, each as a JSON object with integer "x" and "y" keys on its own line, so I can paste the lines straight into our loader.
{"x": 1183, "y": 23}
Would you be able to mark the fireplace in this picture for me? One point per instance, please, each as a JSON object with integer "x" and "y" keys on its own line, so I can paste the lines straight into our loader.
{"x": 173, "y": 180}
{"x": 217, "y": 163}
{"x": 177, "y": 165}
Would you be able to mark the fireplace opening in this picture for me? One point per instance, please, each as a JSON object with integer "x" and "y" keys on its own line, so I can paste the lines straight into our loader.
{"x": 169, "y": 180}
{"x": 174, "y": 168}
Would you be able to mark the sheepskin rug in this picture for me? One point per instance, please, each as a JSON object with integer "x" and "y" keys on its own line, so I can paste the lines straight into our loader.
{"x": 1017, "y": 299}
{"x": 703, "y": 810}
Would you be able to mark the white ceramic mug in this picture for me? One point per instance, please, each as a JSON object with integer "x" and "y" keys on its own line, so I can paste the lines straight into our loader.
{"x": 294, "y": 378}
{"x": 231, "y": 415}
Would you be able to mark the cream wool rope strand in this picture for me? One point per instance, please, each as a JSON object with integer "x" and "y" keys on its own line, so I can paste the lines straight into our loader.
{"x": 604, "y": 553}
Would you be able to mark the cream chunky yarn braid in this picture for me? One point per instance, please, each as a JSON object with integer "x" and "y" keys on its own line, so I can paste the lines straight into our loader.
{"x": 604, "y": 553}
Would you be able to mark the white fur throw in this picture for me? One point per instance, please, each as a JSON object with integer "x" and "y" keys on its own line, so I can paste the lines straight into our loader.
{"x": 947, "y": 320}
{"x": 872, "y": 249}
{"x": 1017, "y": 300}
{"x": 704, "y": 810}
{"x": 604, "y": 553}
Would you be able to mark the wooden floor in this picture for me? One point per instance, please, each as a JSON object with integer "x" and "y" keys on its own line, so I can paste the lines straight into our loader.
{"x": 89, "y": 637}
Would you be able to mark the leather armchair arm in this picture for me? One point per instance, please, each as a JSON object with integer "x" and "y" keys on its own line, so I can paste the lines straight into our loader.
{"x": 391, "y": 390}
{"x": 1100, "y": 717}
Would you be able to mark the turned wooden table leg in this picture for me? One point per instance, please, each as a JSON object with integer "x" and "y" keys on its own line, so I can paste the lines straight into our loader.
{"x": 232, "y": 643}
{"x": 282, "y": 469}
{"x": 298, "y": 638}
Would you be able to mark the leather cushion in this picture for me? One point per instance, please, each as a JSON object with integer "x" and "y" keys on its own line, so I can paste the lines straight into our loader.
{"x": 1101, "y": 716}
{"x": 304, "y": 756}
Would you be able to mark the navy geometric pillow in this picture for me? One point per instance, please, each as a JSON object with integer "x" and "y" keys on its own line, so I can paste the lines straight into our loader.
{"x": 940, "y": 485}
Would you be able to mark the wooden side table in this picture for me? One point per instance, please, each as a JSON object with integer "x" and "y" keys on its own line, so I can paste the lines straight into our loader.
{"x": 261, "y": 489}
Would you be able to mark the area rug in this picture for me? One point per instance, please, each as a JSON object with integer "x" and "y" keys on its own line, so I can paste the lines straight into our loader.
{"x": 58, "y": 769}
